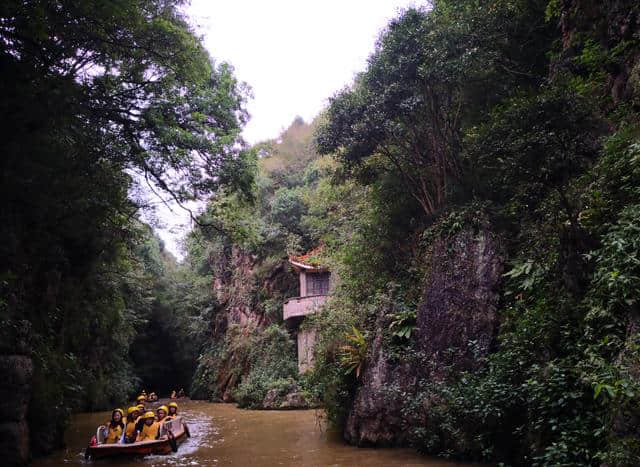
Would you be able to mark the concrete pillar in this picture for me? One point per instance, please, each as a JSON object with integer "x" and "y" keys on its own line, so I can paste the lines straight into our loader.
{"x": 306, "y": 344}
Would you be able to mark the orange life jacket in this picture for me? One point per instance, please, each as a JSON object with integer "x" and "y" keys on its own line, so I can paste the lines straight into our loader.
{"x": 149, "y": 432}
{"x": 130, "y": 429}
{"x": 114, "y": 435}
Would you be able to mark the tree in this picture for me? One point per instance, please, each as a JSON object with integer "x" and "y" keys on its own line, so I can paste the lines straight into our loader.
{"x": 131, "y": 76}
{"x": 96, "y": 98}
{"x": 432, "y": 73}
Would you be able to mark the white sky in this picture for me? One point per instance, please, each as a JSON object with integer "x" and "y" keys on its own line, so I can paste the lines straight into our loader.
{"x": 294, "y": 54}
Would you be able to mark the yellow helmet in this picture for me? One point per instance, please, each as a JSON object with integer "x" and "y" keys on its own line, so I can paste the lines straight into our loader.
{"x": 118, "y": 410}
{"x": 130, "y": 410}
{"x": 163, "y": 407}
{"x": 149, "y": 414}
{"x": 141, "y": 398}
{"x": 140, "y": 407}
{"x": 173, "y": 404}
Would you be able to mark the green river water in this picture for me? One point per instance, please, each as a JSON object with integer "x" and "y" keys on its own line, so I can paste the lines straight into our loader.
{"x": 225, "y": 435}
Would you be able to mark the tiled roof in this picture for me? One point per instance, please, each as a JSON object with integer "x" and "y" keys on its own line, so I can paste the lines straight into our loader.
{"x": 312, "y": 260}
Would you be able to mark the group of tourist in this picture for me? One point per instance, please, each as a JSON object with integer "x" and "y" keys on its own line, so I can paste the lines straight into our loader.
{"x": 139, "y": 424}
{"x": 178, "y": 395}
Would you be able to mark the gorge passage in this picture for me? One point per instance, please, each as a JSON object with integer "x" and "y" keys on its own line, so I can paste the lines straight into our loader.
{"x": 446, "y": 258}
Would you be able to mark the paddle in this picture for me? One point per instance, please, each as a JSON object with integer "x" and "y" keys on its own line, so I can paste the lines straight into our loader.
{"x": 172, "y": 441}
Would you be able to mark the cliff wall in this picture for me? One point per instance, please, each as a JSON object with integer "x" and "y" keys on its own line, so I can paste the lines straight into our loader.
{"x": 456, "y": 325}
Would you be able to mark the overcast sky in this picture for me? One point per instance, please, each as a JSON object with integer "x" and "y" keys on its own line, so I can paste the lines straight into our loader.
{"x": 294, "y": 54}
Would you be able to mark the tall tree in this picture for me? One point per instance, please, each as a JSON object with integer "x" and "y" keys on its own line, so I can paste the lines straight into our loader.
{"x": 431, "y": 73}
{"x": 96, "y": 98}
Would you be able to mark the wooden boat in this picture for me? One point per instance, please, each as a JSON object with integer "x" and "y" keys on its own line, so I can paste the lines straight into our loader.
{"x": 172, "y": 433}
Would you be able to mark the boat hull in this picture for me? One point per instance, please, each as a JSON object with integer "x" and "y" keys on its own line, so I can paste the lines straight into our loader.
{"x": 143, "y": 448}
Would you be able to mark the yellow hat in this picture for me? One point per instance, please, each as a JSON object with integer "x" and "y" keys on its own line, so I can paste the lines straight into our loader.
{"x": 118, "y": 410}
{"x": 130, "y": 410}
{"x": 173, "y": 404}
{"x": 141, "y": 398}
{"x": 163, "y": 407}
{"x": 149, "y": 414}
{"x": 140, "y": 407}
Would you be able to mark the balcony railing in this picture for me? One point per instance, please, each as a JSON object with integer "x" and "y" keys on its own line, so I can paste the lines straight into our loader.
{"x": 302, "y": 306}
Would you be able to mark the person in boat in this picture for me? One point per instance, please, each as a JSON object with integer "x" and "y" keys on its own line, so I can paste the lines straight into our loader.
{"x": 181, "y": 393}
{"x": 150, "y": 430}
{"x": 115, "y": 427}
{"x": 130, "y": 429}
{"x": 162, "y": 413}
{"x": 174, "y": 395}
{"x": 141, "y": 399}
{"x": 153, "y": 397}
{"x": 173, "y": 411}
{"x": 140, "y": 420}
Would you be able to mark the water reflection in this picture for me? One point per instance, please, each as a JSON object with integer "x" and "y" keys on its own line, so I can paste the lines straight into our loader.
{"x": 221, "y": 434}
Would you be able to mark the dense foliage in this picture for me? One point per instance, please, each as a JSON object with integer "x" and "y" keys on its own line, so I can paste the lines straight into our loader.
{"x": 241, "y": 247}
{"x": 99, "y": 100}
{"x": 490, "y": 114}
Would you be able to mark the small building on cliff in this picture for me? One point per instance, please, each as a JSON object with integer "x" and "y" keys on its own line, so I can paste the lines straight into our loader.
{"x": 315, "y": 285}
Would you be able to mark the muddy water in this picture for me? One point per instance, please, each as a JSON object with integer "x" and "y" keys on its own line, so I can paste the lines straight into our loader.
{"x": 223, "y": 435}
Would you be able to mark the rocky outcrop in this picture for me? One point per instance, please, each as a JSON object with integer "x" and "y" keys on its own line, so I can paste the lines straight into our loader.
{"x": 612, "y": 24}
{"x": 16, "y": 372}
{"x": 294, "y": 399}
{"x": 457, "y": 319}
{"x": 242, "y": 280}
{"x": 376, "y": 417}
{"x": 456, "y": 326}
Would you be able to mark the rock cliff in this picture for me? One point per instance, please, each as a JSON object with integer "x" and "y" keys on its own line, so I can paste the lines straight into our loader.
{"x": 244, "y": 287}
{"x": 456, "y": 326}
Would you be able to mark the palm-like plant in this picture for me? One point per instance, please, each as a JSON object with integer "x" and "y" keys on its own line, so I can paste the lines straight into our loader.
{"x": 354, "y": 353}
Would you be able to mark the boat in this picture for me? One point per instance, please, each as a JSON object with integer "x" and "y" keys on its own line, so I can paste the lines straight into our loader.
{"x": 172, "y": 433}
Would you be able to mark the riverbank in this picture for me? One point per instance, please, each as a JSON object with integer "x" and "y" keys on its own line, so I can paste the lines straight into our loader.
{"x": 222, "y": 434}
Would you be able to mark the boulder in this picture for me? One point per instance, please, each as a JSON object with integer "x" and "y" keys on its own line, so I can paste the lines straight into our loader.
{"x": 271, "y": 400}
{"x": 295, "y": 400}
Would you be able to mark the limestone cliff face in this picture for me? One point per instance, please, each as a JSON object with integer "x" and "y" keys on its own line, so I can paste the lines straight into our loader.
{"x": 16, "y": 373}
{"x": 242, "y": 281}
{"x": 233, "y": 290}
{"x": 456, "y": 325}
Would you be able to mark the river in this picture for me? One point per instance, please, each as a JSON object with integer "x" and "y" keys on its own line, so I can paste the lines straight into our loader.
{"x": 222, "y": 434}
